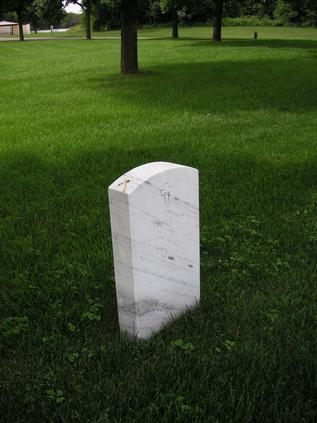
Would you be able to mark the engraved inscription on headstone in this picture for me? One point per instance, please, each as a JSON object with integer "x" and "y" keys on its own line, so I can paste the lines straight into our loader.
{"x": 154, "y": 212}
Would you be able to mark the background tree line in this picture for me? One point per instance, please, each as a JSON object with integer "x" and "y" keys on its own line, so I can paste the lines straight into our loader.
{"x": 106, "y": 13}
{"x": 39, "y": 13}
{"x": 128, "y": 14}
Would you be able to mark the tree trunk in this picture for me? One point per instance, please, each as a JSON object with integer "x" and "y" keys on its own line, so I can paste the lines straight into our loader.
{"x": 20, "y": 20}
{"x": 88, "y": 14}
{"x": 129, "y": 41}
{"x": 218, "y": 20}
{"x": 174, "y": 21}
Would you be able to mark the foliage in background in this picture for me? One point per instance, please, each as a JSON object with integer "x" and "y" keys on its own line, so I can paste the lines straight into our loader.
{"x": 39, "y": 13}
{"x": 153, "y": 12}
{"x": 86, "y": 6}
{"x": 49, "y": 12}
{"x": 105, "y": 13}
{"x": 70, "y": 19}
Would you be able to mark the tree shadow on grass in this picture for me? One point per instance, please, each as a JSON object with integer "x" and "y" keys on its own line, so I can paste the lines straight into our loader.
{"x": 271, "y": 43}
{"x": 57, "y": 267}
{"x": 219, "y": 86}
{"x": 55, "y": 217}
{"x": 242, "y": 42}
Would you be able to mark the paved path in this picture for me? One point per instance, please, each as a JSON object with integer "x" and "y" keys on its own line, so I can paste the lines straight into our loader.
{"x": 41, "y": 38}
{"x": 75, "y": 38}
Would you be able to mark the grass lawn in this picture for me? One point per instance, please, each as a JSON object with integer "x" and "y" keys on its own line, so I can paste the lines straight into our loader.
{"x": 202, "y": 32}
{"x": 243, "y": 113}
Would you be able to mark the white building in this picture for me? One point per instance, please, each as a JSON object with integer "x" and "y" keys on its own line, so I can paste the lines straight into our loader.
{"x": 12, "y": 28}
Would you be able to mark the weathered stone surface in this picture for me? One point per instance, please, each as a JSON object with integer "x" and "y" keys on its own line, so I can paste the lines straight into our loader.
{"x": 155, "y": 232}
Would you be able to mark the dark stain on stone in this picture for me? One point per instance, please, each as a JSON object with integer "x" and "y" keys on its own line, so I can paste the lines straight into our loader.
{"x": 124, "y": 182}
{"x": 170, "y": 258}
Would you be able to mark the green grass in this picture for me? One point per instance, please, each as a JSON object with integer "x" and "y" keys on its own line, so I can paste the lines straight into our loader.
{"x": 243, "y": 113}
{"x": 202, "y": 32}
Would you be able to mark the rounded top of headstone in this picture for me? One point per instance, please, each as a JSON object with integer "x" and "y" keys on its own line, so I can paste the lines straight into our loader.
{"x": 130, "y": 180}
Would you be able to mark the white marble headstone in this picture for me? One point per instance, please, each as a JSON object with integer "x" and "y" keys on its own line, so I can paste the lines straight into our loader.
{"x": 154, "y": 212}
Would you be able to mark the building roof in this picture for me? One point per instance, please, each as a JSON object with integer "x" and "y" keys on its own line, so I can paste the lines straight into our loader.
{"x": 6, "y": 23}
